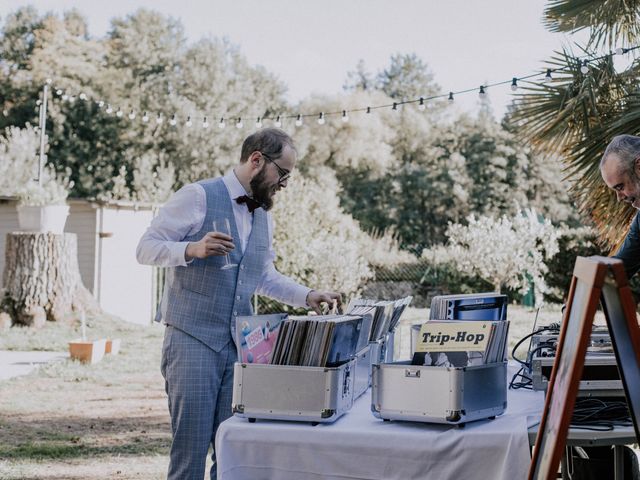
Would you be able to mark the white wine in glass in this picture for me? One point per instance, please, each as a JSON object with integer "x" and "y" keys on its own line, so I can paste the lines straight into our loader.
{"x": 223, "y": 226}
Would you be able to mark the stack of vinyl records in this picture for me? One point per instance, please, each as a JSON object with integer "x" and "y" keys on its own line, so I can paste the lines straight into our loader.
{"x": 322, "y": 341}
{"x": 385, "y": 314}
{"x": 474, "y": 306}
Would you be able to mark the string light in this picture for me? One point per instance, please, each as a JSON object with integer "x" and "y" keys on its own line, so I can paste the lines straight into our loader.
{"x": 583, "y": 65}
{"x": 584, "y": 68}
{"x": 173, "y": 120}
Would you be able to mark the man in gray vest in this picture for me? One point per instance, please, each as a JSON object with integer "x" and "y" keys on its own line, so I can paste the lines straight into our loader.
{"x": 620, "y": 170}
{"x": 202, "y": 300}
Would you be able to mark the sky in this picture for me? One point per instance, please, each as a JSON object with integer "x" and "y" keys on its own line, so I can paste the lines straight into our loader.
{"x": 311, "y": 44}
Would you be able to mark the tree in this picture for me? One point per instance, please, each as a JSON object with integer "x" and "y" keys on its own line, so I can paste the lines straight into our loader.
{"x": 576, "y": 114}
{"x": 506, "y": 251}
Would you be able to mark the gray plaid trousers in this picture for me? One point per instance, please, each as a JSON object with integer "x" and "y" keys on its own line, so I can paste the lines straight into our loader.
{"x": 199, "y": 384}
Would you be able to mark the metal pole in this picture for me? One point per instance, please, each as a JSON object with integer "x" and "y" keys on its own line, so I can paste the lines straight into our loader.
{"x": 43, "y": 133}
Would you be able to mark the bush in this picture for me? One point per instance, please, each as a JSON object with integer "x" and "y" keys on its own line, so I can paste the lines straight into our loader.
{"x": 573, "y": 242}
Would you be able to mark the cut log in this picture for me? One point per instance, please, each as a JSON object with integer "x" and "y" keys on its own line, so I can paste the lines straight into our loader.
{"x": 42, "y": 278}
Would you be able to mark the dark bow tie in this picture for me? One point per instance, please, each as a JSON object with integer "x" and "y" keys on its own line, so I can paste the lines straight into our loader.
{"x": 250, "y": 202}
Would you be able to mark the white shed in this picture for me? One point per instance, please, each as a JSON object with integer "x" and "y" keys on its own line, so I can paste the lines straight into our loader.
{"x": 108, "y": 234}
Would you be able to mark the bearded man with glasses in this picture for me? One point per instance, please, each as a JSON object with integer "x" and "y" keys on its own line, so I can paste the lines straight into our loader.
{"x": 202, "y": 300}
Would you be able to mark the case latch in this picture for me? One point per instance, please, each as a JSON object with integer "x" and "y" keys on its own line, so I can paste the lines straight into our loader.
{"x": 412, "y": 373}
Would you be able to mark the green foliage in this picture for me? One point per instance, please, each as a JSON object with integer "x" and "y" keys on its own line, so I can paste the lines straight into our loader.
{"x": 571, "y": 243}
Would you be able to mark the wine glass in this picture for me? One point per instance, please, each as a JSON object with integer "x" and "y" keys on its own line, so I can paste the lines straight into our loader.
{"x": 223, "y": 226}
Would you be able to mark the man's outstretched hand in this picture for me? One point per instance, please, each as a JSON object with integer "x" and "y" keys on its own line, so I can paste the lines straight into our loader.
{"x": 316, "y": 298}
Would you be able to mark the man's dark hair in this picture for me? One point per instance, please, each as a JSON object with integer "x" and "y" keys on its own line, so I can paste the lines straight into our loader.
{"x": 627, "y": 148}
{"x": 270, "y": 141}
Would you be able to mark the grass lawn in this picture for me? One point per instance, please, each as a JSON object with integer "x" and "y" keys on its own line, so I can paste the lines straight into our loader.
{"x": 67, "y": 420}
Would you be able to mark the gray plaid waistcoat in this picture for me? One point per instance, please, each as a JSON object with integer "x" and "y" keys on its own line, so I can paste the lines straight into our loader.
{"x": 202, "y": 300}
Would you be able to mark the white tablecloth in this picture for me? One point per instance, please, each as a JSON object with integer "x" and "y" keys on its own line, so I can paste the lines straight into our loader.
{"x": 360, "y": 446}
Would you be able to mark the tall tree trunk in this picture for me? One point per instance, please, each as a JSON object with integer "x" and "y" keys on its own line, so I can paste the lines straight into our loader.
{"x": 42, "y": 278}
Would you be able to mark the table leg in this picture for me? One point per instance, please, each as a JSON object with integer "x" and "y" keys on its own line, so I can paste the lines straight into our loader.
{"x": 618, "y": 462}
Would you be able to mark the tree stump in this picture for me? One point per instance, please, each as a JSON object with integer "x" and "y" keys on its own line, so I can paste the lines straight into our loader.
{"x": 42, "y": 278}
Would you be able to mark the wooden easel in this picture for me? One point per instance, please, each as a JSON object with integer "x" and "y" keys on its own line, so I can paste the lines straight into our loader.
{"x": 595, "y": 279}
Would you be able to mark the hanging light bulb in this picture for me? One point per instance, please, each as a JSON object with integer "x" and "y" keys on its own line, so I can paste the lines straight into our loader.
{"x": 548, "y": 77}
{"x": 621, "y": 51}
{"x": 258, "y": 122}
{"x": 159, "y": 119}
{"x": 222, "y": 123}
{"x": 278, "y": 123}
{"x": 100, "y": 104}
{"x": 239, "y": 123}
{"x": 48, "y": 81}
{"x": 188, "y": 123}
{"x": 205, "y": 123}
{"x": 395, "y": 106}
{"x": 109, "y": 110}
{"x": 584, "y": 68}
{"x": 173, "y": 120}
{"x": 368, "y": 109}
{"x": 119, "y": 113}
{"x": 58, "y": 92}
{"x": 145, "y": 117}
{"x": 132, "y": 115}
{"x": 82, "y": 96}
{"x": 482, "y": 93}
{"x": 321, "y": 118}
{"x": 450, "y": 97}
{"x": 345, "y": 117}
{"x": 299, "y": 120}
{"x": 421, "y": 105}
{"x": 514, "y": 84}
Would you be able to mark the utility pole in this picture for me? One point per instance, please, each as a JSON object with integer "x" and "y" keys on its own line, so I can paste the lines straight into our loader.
{"x": 43, "y": 133}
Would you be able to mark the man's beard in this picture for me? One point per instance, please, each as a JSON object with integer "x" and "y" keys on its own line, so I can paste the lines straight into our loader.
{"x": 261, "y": 191}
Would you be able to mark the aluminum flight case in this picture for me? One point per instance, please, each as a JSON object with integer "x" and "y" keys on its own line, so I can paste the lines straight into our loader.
{"x": 290, "y": 392}
{"x": 449, "y": 395}
{"x": 363, "y": 371}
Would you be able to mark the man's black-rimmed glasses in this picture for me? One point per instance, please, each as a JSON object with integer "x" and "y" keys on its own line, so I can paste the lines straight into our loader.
{"x": 284, "y": 174}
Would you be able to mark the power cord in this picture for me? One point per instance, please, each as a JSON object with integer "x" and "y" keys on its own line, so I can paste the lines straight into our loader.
{"x": 522, "y": 378}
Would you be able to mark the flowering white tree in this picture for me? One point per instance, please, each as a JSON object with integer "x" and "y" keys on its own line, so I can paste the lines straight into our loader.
{"x": 18, "y": 160}
{"x": 506, "y": 251}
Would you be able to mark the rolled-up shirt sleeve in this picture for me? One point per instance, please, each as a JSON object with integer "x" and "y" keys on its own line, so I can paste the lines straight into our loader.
{"x": 629, "y": 252}
{"x": 163, "y": 243}
{"x": 275, "y": 285}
